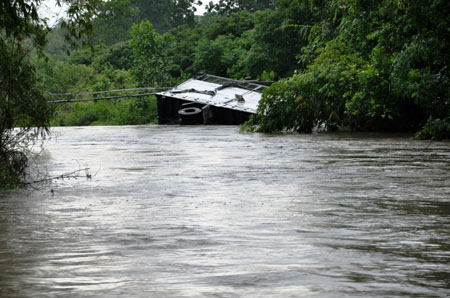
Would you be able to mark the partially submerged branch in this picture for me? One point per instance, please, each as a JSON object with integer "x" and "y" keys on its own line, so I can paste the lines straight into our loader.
{"x": 75, "y": 174}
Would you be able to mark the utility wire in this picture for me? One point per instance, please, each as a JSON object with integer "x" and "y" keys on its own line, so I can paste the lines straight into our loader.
{"x": 75, "y": 99}
{"x": 101, "y": 98}
{"x": 108, "y": 91}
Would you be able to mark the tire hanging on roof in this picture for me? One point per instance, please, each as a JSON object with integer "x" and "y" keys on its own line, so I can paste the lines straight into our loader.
{"x": 191, "y": 115}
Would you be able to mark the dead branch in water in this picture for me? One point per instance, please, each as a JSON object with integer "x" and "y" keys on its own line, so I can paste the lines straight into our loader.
{"x": 80, "y": 173}
{"x": 74, "y": 174}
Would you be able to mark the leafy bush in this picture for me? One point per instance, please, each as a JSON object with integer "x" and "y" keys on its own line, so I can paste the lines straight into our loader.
{"x": 24, "y": 113}
{"x": 222, "y": 56}
{"x": 370, "y": 65}
{"x": 435, "y": 129}
{"x": 283, "y": 108}
{"x": 120, "y": 112}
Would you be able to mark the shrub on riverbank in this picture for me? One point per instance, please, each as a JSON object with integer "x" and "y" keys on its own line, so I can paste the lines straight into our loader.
{"x": 120, "y": 112}
{"x": 435, "y": 129}
{"x": 67, "y": 77}
{"x": 13, "y": 164}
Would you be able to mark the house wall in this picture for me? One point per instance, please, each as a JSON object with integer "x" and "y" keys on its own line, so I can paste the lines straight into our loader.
{"x": 168, "y": 108}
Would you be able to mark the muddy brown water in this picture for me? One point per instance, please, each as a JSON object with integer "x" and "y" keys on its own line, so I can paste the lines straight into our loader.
{"x": 206, "y": 211}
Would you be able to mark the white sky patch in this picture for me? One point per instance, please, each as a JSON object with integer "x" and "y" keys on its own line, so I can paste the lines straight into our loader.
{"x": 201, "y": 10}
{"x": 52, "y": 12}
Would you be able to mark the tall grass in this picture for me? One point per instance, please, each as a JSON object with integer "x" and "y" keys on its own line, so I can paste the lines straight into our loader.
{"x": 119, "y": 112}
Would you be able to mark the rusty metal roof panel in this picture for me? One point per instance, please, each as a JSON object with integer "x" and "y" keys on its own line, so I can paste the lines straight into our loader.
{"x": 219, "y": 95}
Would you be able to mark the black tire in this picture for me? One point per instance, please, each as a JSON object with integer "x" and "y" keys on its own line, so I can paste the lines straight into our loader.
{"x": 189, "y": 111}
{"x": 191, "y": 115}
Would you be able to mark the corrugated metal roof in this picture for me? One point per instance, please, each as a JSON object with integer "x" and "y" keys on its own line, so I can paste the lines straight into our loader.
{"x": 195, "y": 90}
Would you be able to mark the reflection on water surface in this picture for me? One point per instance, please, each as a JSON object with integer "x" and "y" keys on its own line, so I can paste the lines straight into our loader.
{"x": 207, "y": 211}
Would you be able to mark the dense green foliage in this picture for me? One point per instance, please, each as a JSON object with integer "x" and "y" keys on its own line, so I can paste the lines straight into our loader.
{"x": 368, "y": 65}
{"x": 435, "y": 129}
{"x": 116, "y": 17}
{"x": 114, "y": 21}
{"x": 123, "y": 112}
{"x": 358, "y": 64}
{"x": 83, "y": 71}
{"x": 152, "y": 59}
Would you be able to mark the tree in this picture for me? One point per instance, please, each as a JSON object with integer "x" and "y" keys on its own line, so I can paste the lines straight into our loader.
{"x": 278, "y": 38}
{"x": 235, "y": 24}
{"x": 367, "y": 65}
{"x": 152, "y": 62}
{"x": 186, "y": 39}
{"x": 167, "y": 14}
{"x": 24, "y": 112}
{"x": 114, "y": 21}
{"x": 183, "y": 12}
{"x": 156, "y": 11}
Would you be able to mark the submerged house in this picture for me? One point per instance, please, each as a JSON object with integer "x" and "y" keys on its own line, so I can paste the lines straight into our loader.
{"x": 210, "y": 99}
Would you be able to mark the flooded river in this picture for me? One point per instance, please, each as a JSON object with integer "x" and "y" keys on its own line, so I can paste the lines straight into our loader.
{"x": 210, "y": 212}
